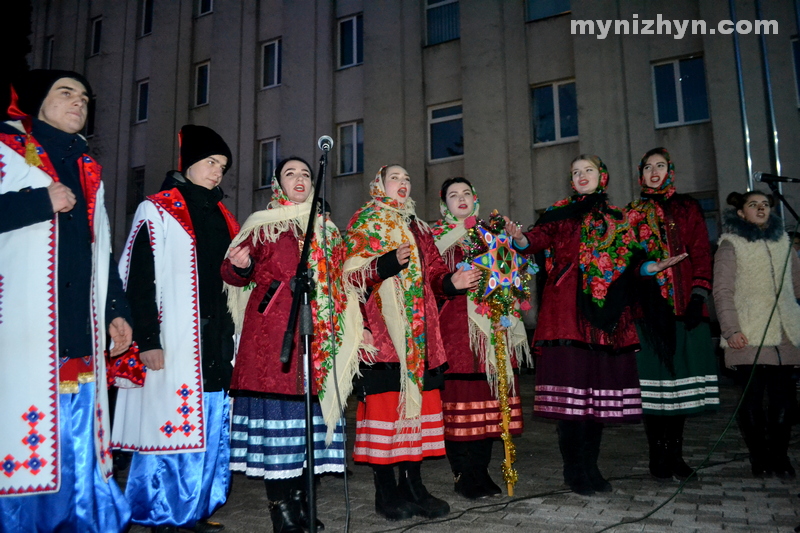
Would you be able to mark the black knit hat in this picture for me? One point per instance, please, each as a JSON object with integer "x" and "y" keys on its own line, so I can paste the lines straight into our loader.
{"x": 198, "y": 143}
{"x": 33, "y": 86}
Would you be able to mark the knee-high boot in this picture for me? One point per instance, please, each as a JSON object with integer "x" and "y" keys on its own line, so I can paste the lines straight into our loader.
{"x": 594, "y": 434}
{"x": 411, "y": 489}
{"x": 571, "y": 438}
{"x": 654, "y": 427}
{"x": 462, "y": 463}
{"x": 674, "y": 437}
{"x": 283, "y": 510}
{"x": 388, "y": 502}
{"x": 482, "y": 451}
{"x": 752, "y": 424}
{"x": 780, "y": 429}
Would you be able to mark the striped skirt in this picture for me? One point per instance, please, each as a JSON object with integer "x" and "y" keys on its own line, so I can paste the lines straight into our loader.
{"x": 268, "y": 439}
{"x": 471, "y": 412}
{"x": 578, "y": 384}
{"x": 377, "y": 438}
{"x": 693, "y": 387}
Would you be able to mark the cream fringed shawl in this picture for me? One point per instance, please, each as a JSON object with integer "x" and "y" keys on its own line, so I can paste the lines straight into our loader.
{"x": 334, "y": 308}
{"x": 449, "y": 233}
{"x": 381, "y": 225}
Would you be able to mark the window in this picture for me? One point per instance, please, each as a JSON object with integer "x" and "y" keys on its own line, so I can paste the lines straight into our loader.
{"x": 97, "y": 30}
{"x": 271, "y": 64}
{"x": 796, "y": 57}
{"x": 146, "y": 26}
{"x": 351, "y": 148}
{"x": 680, "y": 92}
{"x": 47, "y": 61}
{"x": 204, "y": 7}
{"x": 442, "y": 17}
{"x": 88, "y": 130}
{"x": 446, "y": 132}
{"x": 351, "y": 41}
{"x": 708, "y": 203}
{"x": 142, "y": 100}
{"x": 135, "y": 190}
{"x": 201, "y": 73}
{"x": 542, "y": 9}
{"x": 269, "y": 160}
{"x": 555, "y": 113}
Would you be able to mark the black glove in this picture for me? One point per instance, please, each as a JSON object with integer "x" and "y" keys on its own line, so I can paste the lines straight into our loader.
{"x": 694, "y": 312}
{"x": 388, "y": 265}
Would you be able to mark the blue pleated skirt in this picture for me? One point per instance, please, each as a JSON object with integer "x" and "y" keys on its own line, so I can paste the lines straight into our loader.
{"x": 181, "y": 488}
{"x": 85, "y": 503}
{"x": 268, "y": 439}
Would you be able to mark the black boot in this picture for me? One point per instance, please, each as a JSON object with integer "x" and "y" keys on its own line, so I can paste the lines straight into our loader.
{"x": 285, "y": 516}
{"x": 301, "y": 498}
{"x": 753, "y": 427}
{"x": 388, "y": 502}
{"x": 674, "y": 438}
{"x": 654, "y": 427}
{"x": 464, "y": 482}
{"x": 411, "y": 489}
{"x": 482, "y": 451}
{"x": 594, "y": 434}
{"x": 780, "y": 430}
{"x": 571, "y": 436}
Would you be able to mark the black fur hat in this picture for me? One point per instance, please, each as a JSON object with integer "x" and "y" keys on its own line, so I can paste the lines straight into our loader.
{"x": 33, "y": 86}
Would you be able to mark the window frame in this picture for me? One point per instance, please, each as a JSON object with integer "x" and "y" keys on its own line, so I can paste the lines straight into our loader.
{"x": 276, "y": 146}
{"x": 138, "y": 116}
{"x": 356, "y": 125}
{"x": 556, "y": 115}
{"x": 91, "y": 118}
{"x": 199, "y": 8}
{"x": 148, "y": 9}
{"x": 278, "y": 59}
{"x": 354, "y": 39}
{"x": 678, "y": 92}
{"x": 527, "y": 11}
{"x": 49, "y": 48}
{"x": 132, "y": 199}
{"x": 795, "y": 44}
{"x": 432, "y": 121}
{"x": 438, "y": 4}
{"x": 197, "y": 68}
{"x": 96, "y": 36}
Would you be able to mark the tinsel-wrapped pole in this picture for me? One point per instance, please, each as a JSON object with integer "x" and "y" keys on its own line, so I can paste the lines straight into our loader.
{"x": 510, "y": 475}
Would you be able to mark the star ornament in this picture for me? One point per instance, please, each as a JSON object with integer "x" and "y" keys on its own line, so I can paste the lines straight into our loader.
{"x": 501, "y": 262}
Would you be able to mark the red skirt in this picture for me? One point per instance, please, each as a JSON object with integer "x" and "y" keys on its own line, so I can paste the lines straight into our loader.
{"x": 472, "y": 413}
{"x": 379, "y": 442}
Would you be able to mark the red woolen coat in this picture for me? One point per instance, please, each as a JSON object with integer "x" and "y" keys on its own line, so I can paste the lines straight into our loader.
{"x": 258, "y": 367}
{"x": 686, "y": 231}
{"x": 559, "y": 317}
{"x": 435, "y": 276}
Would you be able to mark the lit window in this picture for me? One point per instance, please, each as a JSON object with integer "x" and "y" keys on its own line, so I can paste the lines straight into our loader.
{"x": 142, "y": 100}
{"x": 542, "y": 9}
{"x": 135, "y": 190}
{"x": 271, "y": 61}
{"x": 680, "y": 92}
{"x": 204, "y": 7}
{"x": 555, "y": 113}
{"x": 147, "y": 18}
{"x": 97, "y": 30}
{"x": 446, "y": 130}
{"x": 269, "y": 160}
{"x": 351, "y": 148}
{"x": 201, "y": 77}
{"x": 351, "y": 41}
{"x": 442, "y": 20}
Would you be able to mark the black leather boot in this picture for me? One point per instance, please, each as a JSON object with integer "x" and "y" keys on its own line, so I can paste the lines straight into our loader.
{"x": 411, "y": 489}
{"x": 654, "y": 427}
{"x": 285, "y": 516}
{"x": 752, "y": 424}
{"x": 593, "y": 436}
{"x": 483, "y": 455}
{"x": 301, "y": 498}
{"x": 780, "y": 430}
{"x": 571, "y": 435}
{"x": 674, "y": 439}
{"x": 388, "y": 502}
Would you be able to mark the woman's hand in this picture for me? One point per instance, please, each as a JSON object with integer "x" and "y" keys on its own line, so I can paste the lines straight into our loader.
{"x": 655, "y": 267}
{"x": 153, "y": 359}
{"x": 514, "y": 231}
{"x": 737, "y": 341}
{"x": 240, "y": 256}
{"x": 368, "y": 338}
{"x": 465, "y": 279}
{"x": 403, "y": 252}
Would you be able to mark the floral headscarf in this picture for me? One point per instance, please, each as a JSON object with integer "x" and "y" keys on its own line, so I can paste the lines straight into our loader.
{"x": 448, "y": 231}
{"x": 381, "y": 225}
{"x": 338, "y": 324}
{"x": 647, "y": 218}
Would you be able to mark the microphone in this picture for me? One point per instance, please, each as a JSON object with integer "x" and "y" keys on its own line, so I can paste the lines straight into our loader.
{"x": 325, "y": 144}
{"x": 772, "y": 178}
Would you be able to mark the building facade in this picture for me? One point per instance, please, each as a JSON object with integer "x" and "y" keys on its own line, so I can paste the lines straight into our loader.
{"x": 503, "y": 92}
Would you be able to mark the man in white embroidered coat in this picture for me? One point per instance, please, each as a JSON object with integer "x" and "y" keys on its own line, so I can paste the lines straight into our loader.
{"x": 59, "y": 298}
{"x": 178, "y": 422}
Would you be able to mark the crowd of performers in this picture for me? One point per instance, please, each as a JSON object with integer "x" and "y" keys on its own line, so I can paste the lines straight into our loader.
{"x": 623, "y": 332}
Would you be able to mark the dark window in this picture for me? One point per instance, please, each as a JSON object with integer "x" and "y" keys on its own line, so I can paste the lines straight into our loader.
{"x": 443, "y": 21}
{"x": 541, "y": 9}
{"x": 135, "y": 189}
{"x": 97, "y": 30}
{"x": 680, "y": 92}
{"x": 204, "y": 6}
{"x": 142, "y": 100}
{"x": 796, "y": 57}
{"x": 269, "y": 160}
{"x": 555, "y": 112}
{"x": 47, "y": 61}
{"x": 90, "y": 117}
{"x": 351, "y": 41}
{"x": 446, "y": 132}
{"x": 351, "y": 148}
{"x": 147, "y": 17}
{"x": 201, "y": 84}
{"x": 271, "y": 69}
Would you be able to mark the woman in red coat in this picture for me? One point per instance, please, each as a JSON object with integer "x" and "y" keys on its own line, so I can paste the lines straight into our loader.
{"x": 472, "y": 418}
{"x": 677, "y": 364}
{"x": 399, "y": 418}
{"x": 268, "y": 434}
{"x": 585, "y": 339}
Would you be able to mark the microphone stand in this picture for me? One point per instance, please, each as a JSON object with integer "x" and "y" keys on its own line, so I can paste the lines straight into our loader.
{"x": 302, "y": 285}
{"x": 777, "y": 193}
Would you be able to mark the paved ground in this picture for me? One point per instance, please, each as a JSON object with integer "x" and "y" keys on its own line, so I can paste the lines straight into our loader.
{"x": 725, "y": 498}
